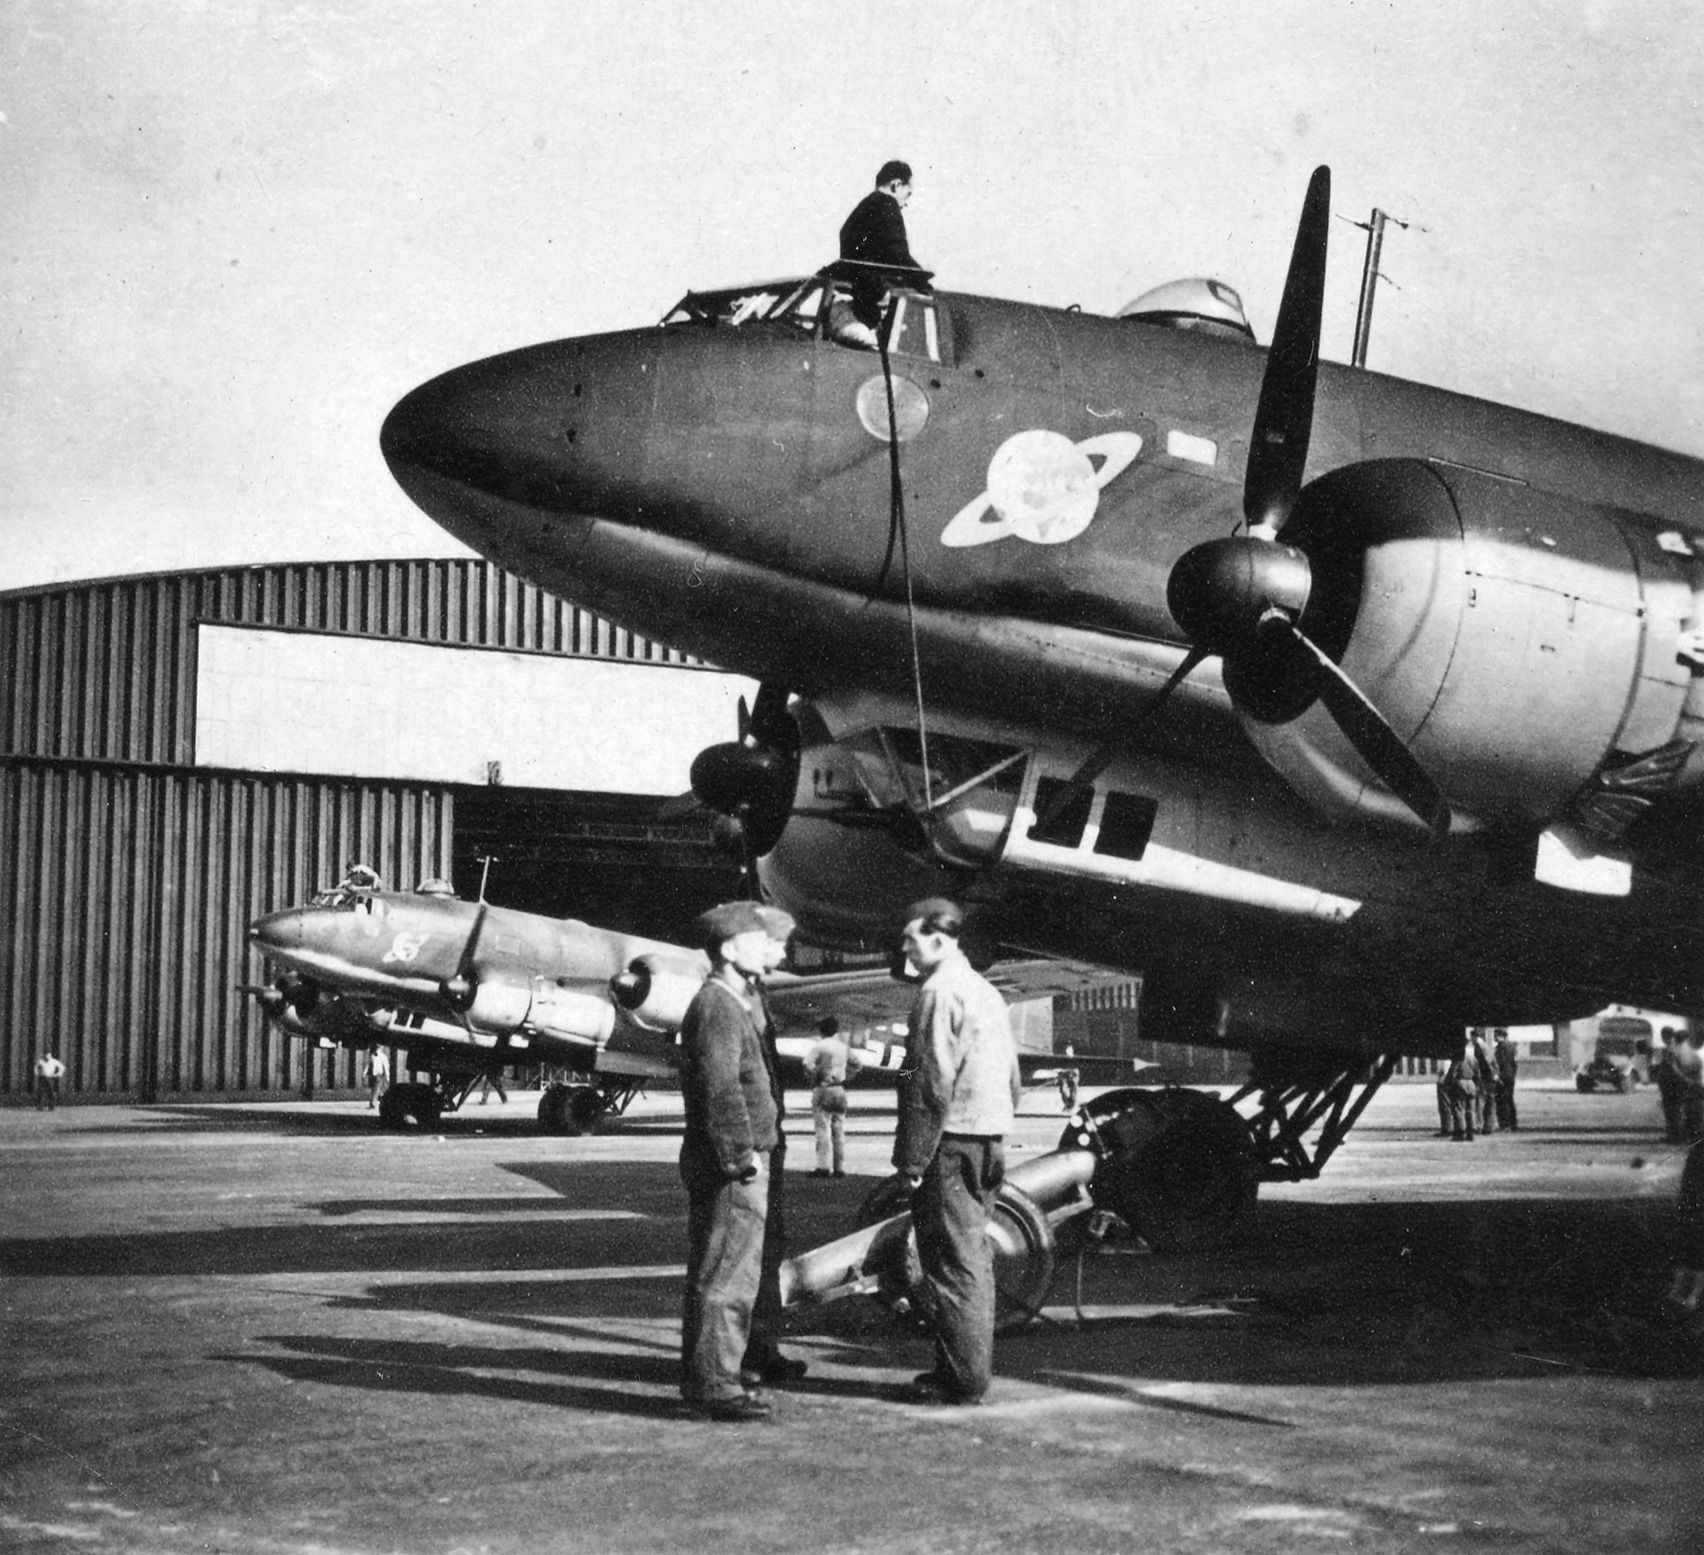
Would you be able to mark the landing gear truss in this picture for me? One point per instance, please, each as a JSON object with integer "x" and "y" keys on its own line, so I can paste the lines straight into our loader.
{"x": 1288, "y": 1110}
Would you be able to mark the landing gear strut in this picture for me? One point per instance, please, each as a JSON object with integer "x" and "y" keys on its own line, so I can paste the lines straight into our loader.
{"x": 1291, "y": 1106}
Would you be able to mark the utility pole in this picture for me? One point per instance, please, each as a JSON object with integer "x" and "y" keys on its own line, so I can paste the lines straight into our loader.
{"x": 1374, "y": 229}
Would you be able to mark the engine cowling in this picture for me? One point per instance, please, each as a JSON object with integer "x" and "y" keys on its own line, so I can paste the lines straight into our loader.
{"x": 657, "y": 987}
{"x": 503, "y": 1007}
{"x": 1517, "y": 640}
{"x": 572, "y": 1014}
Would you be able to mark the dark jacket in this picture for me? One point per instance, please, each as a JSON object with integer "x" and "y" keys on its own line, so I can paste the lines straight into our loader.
{"x": 727, "y": 1084}
{"x": 875, "y": 232}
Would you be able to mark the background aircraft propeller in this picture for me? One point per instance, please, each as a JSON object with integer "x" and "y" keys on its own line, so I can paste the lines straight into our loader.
{"x": 459, "y": 990}
{"x": 1243, "y": 598}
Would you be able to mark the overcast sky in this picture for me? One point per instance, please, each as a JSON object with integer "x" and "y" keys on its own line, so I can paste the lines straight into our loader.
{"x": 236, "y": 234}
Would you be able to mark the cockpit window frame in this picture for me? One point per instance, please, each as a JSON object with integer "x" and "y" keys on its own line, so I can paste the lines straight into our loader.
{"x": 801, "y": 306}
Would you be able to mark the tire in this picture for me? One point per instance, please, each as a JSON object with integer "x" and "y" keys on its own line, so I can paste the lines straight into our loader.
{"x": 1179, "y": 1166}
{"x": 585, "y": 1111}
{"x": 408, "y": 1107}
{"x": 552, "y": 1109}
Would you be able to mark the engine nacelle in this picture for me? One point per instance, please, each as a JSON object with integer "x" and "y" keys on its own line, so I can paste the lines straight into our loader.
{"x": 572, "y": 1014}
{"x": 657, "y": 987}
{"x": 1516, "y": 639}
{"x": 499, "y": 1006}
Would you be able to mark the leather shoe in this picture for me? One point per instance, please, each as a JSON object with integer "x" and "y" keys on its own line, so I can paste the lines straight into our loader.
{"x": 733, "y": 1411}
{"x": 930, "y": 1387}
{"x": 776, "y": 1371}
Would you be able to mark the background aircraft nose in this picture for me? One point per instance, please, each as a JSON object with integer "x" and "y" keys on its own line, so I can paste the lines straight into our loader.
{"x": 279, "y": 932}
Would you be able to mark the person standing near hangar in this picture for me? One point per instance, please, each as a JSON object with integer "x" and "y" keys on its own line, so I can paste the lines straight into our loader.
{"x": 731, "y": 1128}
{"x": 957, "y": 1103}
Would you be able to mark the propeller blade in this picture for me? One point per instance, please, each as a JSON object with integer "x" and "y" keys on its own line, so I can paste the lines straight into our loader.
{"x": 1098, "y": 762}
{"x": 1283, "y": 423}
{"x": 1377, "y": 744}
{"x": 768, "y": 720}
{"x": 459, "y": 990}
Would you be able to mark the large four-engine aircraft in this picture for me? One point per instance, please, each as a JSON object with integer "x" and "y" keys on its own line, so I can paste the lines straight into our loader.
{"x": 1348, "y": 711}
{"x": 470, "y": 989}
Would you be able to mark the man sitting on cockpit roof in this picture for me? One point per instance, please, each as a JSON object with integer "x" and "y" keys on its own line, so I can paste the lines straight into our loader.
{"x": 874, "y": 253}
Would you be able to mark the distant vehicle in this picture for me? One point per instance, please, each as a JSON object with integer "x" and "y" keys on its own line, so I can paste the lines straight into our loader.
{"x": 1622, "y": 1055}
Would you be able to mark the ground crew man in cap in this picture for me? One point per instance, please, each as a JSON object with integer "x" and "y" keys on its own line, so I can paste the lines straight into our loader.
{"x": 731, "y": 1128}
{"x": 957, "y": 1103}
{"x": 763, "y": 1360}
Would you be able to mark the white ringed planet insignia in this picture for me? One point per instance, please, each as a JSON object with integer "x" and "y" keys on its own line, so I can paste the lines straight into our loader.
{"x": 1042, "y": 487}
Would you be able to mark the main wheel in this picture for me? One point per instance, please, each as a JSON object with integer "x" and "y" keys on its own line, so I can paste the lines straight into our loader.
{"x": 1178, "y": 1165}
{"x": 552, "y": 1109}
{"x": 586, "y": 1110}
{"x": 410, "y": 1106}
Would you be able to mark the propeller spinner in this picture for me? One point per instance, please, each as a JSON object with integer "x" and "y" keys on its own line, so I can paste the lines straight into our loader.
{"x": 752, "y": 780}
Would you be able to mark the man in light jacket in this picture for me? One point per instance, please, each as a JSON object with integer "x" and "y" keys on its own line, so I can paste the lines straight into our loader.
{"x": 957, "y": 1104}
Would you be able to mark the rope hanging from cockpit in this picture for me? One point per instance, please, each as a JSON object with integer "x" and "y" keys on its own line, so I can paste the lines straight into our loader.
{"x": 897, "y": 530}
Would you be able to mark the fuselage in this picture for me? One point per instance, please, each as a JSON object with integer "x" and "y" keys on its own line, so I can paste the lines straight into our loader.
{"x": 1515, "y": 599}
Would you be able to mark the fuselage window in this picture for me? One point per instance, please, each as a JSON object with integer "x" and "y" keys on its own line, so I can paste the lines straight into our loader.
{"x": 1126, "y": 824}
{"x": 1064, "y": 830}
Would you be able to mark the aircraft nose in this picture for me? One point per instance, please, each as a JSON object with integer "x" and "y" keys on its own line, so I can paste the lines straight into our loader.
{"x": 278, "y": 933}
{"x": 553, "y": 433}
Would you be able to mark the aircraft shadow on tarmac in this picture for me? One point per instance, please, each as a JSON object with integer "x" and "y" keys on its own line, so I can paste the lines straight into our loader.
{"x": 1305, "y": 1293}
{"x": 324, "y": 1121}
{"x": 1310, "y": 1295}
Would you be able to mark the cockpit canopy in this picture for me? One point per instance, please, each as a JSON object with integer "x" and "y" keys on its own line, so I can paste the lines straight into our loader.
{"x": 1197, "y": 303}
{"x": 818, "y": 307}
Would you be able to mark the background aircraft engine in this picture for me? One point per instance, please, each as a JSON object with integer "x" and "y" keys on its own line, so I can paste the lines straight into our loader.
{"x": 499, "y": 1006}
{"x": 571, "y": 1014}
{"x": 1515, "y": 640}
{"x": 656, "y": 989}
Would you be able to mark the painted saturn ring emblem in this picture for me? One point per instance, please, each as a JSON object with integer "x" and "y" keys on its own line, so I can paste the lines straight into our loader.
{"x": 1042, "y": 487}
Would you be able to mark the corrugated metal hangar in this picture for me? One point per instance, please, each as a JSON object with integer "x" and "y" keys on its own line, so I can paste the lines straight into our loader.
{"x": 181, "y": 753}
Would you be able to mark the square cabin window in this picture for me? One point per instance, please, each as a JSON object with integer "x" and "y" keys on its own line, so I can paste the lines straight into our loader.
{"x": 1066, "y": 829}
{"x": 1127, "y": 822}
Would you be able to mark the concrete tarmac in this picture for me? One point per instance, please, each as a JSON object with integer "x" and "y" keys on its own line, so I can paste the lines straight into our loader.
{"x": 245, "y": 1328}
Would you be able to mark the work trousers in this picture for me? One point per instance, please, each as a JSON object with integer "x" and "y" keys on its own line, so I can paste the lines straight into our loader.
{"x": 828, "y": 1118}
{"x": 763, "y": 1344}
{"x": 724, "y": 1259}
{"x": 47, "y": 1094}
{"x": 1464, "y": 1113}
{"x": 950, "y": 1212}
{"x": 1506, "y": 1117}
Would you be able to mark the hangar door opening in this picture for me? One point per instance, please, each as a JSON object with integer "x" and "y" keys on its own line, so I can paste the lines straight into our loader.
{"x": 606, "y": 858}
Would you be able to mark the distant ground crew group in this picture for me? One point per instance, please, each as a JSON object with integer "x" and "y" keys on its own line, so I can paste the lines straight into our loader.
{"x": 957, "y": 1104}
{"x": 1476, "y": 1092}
